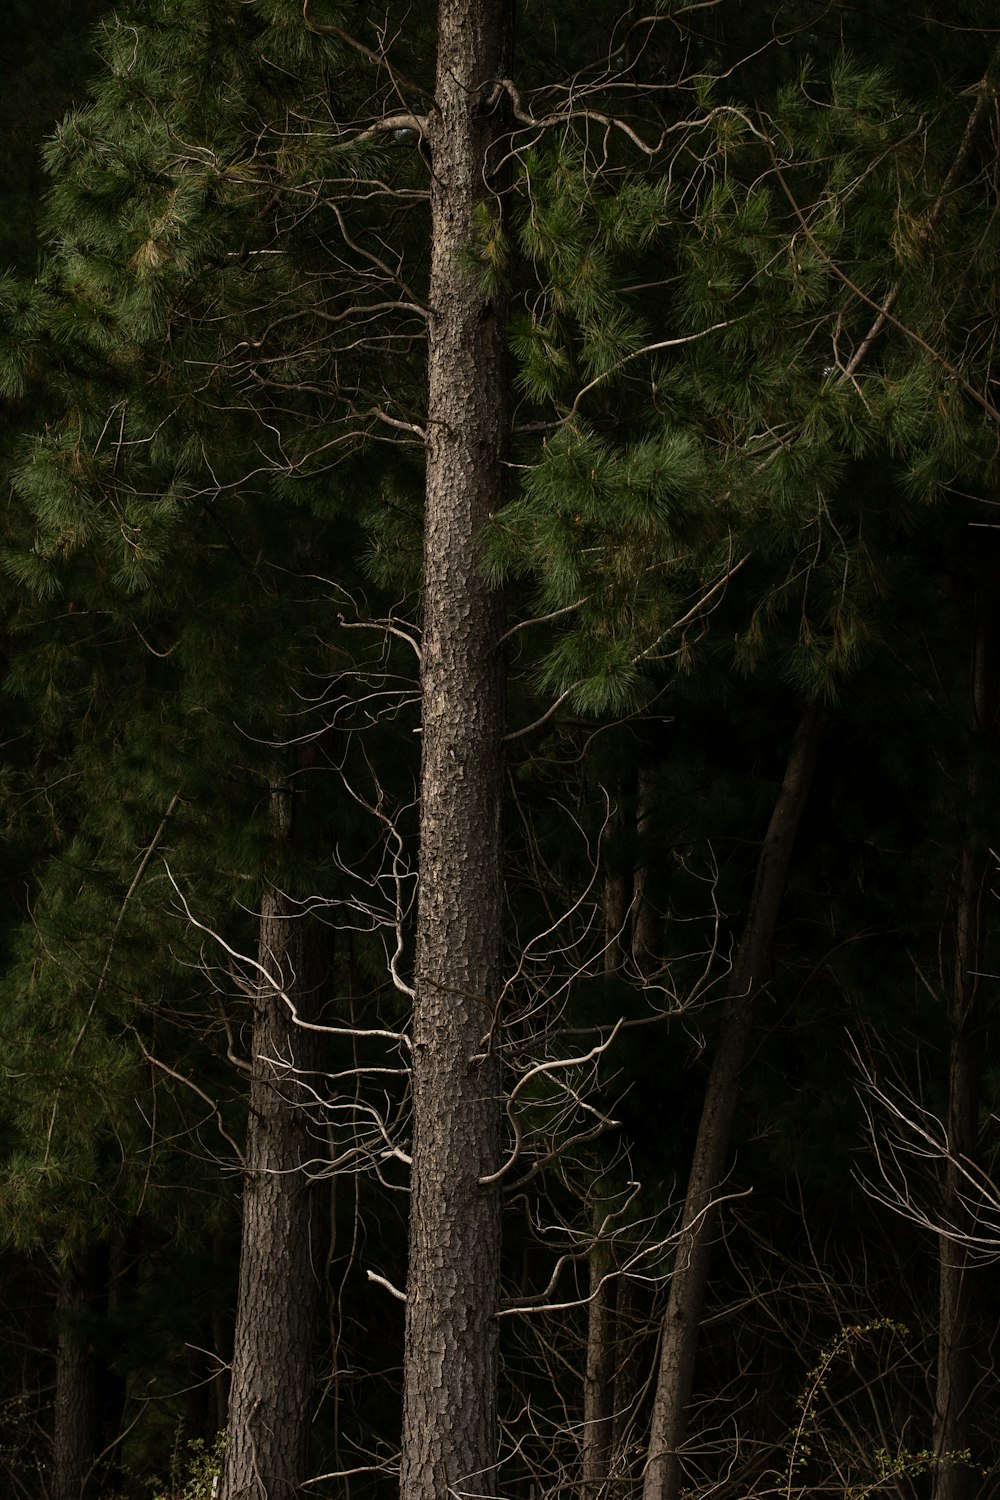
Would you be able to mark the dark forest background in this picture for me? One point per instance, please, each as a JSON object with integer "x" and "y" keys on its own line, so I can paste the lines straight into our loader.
{"x": 745, "y": 261}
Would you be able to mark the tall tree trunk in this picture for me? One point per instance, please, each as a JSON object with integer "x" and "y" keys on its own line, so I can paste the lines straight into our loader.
{"x": 77, "y": 1417}
{"x": 279, "y": 1301}
{"x": 90, "y": 1396}
{"x": 954, "y": 1478}
{"x": 449, "y": 1414}
{"x": 681, "y": 1323}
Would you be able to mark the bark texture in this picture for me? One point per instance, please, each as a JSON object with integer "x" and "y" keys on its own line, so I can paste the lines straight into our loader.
{"x": 681, "y": 1323}
{"x": 278, "y": 1306}
{"x": 75, "y": 1435}
{"x": 449, "y": 1416}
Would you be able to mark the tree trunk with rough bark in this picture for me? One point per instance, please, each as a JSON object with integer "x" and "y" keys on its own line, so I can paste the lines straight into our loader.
{"x": 75, "y": 1434}
{"x": 90, "y": 1396}
{"x": 279, "y": 1301}
{"x": 681, "y": 1323}
{"x": 449, "y": 1442}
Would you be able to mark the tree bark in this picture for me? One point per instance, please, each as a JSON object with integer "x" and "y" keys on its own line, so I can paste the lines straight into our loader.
{"x": 279, "y": 1301}
{"x": 954, "y": 1478}
{"x": 75, "y": 1434}
{"x": 90, "y": 1396}
{"x": 449, "y": 1438}
{"x": 599, "y": 1372}
{"x": 681, "y": 1323}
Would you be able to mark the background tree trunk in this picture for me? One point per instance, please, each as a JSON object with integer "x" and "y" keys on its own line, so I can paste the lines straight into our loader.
{"x": 75, "y": 1435}
{"x": 599, "y": 1374}
{"x": 646, "y": 919}
{"x": 449, "y": 1413}
{"x": 954, "y": 1479}
{"x": 679, "y": 1341}
{"x": 279, "y": 1303}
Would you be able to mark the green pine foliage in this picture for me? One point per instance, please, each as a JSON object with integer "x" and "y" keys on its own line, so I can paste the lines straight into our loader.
{"x": 176, "y": 533}
{"x": 780, "y": 400}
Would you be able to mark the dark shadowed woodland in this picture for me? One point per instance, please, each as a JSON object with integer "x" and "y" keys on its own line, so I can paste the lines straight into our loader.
{"x": 499, "y": 843}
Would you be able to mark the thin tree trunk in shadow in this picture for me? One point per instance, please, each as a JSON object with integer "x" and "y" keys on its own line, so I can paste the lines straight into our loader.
{"x": 90, "y": 1395}
{"x": 279, "y": 1302}
{"x": 75, "y": 1435}
{"x": 954, "y": 1478}
{"x": 629, "y": 926}
{"x": 646, "y": 919}
{"x": 599, "y": 1371}
{"x": 681, "y": 1323}
{"x": 631, "y": 930}
{"x": 631, "y": 1382}
{"x": 222, "y": 1351}
{"x": 616, "y": 916}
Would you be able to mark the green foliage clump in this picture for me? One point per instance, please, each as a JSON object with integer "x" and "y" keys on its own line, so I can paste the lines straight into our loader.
{"x": 194, "y": 1471}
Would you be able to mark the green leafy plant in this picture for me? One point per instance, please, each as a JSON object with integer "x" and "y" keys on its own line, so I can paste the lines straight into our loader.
{"x": 194, "y": 1470}
{"x": 883, "y": 1468}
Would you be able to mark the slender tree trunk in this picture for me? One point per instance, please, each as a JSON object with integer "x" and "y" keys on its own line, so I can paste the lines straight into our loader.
{"x": 449, "y": 1439}
{"x": 90, "y": 1396}
{"x": 681, "y": 1323}
{"x": 209, "y": 1361}
{"x": 646, "y": 920}
{"x": 630, "y": 925}
{"x": 279, "y": 1302}
{"x": 616, "y": 894}
{"x": 221, "y": 1345}
{"x": 599, "y": 1373}
{"x": 75, "y": 1435}
{"x": 953, "y": 1478}
{"x": 616, "y": 921}
{"x": 600, "y": 1367}
{"x": 116, "y": 1277}
{"x": 631, "y": 1379}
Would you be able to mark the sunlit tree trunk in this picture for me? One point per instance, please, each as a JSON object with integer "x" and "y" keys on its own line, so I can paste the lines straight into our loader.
{"x": 450, "y": 1417}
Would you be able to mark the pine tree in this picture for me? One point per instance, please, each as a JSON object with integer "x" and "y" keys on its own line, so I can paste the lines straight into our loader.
{"x": 200, "y": 584}
{"x": 783, "y": 430}
{"x": 449, "y": 1372}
